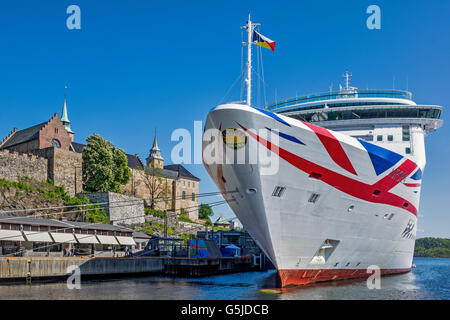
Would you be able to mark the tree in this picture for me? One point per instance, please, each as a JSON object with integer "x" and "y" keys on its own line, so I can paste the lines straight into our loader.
{"x": 105, "y": 167}
{"x": 205, "y": 212}
{"x": 156, "y": 183}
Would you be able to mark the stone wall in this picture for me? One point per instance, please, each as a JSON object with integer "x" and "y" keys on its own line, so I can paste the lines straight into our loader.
{"x": 121, "y": 209}
{"x": 64, "y": 168}
{"x": 14, "y": 166}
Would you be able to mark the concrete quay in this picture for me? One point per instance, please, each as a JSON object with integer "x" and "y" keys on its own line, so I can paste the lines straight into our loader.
{"x": 24, "y": 269}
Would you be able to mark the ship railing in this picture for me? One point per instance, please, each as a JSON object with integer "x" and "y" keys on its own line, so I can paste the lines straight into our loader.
{"x": 342, "y": 94}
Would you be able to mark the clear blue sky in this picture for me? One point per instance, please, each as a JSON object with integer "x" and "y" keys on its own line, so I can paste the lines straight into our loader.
{"x": 137, "y": 65}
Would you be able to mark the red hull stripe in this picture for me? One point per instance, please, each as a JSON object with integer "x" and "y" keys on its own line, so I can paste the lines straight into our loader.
{"x": 306, "y": 276}
{"x": 412, "y": 185}
{"x": 333, "y": 147}
{"x": 376, "y": 193}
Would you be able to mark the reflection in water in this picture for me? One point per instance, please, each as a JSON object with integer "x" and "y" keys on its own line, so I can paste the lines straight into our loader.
{"x": 428, "y": 281}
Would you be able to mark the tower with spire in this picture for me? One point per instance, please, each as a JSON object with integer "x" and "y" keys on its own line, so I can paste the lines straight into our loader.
{"x": 65, "y": 118}
{"x": 155, "y": 159}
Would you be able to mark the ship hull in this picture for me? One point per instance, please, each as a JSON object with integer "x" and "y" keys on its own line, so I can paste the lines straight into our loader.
{"x": 316, "y": 205}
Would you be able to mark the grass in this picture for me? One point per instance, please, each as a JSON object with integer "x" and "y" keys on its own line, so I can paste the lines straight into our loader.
{"x": 51, "y": 193}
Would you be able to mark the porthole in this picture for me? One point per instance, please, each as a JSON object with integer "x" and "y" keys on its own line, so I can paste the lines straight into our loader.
{"x": 251, "y": 191}
{"x": 350, "y": 209}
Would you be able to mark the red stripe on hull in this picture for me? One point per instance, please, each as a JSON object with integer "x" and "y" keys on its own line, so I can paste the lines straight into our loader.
{"x": 376, "y": 193}
{"x": 333, "y": 147}
{"x": 307, "y": 276}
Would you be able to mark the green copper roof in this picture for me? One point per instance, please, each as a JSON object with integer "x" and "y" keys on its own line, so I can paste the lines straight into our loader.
{"x": 65, "y": 119}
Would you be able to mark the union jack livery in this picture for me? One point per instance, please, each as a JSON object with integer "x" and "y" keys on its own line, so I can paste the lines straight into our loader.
{"x": 346, "y": 189}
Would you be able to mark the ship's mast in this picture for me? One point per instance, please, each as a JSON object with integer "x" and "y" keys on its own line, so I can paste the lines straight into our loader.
{"x": 347, "y": 76}
{"x": 248, "y": 81}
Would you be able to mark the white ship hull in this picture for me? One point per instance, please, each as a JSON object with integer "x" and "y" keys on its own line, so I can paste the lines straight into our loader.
{"x": 357, "y": 219}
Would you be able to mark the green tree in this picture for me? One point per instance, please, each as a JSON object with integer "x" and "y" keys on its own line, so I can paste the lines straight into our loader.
{"x": 205, "y": 212}
{"x": 105, "y": 167}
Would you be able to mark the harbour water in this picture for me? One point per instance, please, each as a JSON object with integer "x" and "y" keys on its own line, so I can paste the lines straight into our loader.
{"x": 429, "y": 280}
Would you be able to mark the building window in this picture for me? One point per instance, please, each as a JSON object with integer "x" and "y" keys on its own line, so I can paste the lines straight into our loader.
{"x": 189, "y": 183}
{"x": 390, "y": 138}
{"x": 380, "y": 138}
{"x": 407, "y": 150}
{"x": 183, "y": 195}
{"x": 56, "y": 130}
{"x": 56, "y": 144}
{"x": 193, "y": 196}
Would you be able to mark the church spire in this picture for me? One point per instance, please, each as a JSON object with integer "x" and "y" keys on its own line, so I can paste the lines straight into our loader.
{"x": 64, "y": 117}
{"x": 155, "y": 157}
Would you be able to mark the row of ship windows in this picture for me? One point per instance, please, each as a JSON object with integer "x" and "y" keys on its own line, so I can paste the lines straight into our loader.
{"x": 370, "y": 114}
{"x": 279, "y": 191}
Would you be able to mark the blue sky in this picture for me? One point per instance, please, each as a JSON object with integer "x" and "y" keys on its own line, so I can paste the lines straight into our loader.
{"x": 137, "y": 65}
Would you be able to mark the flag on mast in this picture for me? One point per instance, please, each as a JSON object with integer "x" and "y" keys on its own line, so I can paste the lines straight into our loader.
{"x": 263, "y": 41}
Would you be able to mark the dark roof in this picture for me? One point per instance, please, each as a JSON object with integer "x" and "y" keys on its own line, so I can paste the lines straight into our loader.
{"x": 182, "y": 171}
{"x": 133, "y": 160}
{"x": 78, "y": 147}
{"x": 28, "y": 134}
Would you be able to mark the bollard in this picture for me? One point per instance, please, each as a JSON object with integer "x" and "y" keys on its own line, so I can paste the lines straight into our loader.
{"x": 28, "y": 279}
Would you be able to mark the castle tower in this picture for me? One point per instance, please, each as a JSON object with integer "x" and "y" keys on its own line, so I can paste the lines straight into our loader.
{"x": 155, "y": 157}
{"x": 65, "y": 118}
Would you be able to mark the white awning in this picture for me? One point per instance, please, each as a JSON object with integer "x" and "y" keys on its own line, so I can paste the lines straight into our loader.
{"x": 139, "y": 240}
{"x": 86, "y": 238}
{"x": 107, "y": 240}
{"x": 126, "y": 241}
{"x": 38, "y": 236}
{"x": 63, "y": 237}
{"x": 11, "y": 235}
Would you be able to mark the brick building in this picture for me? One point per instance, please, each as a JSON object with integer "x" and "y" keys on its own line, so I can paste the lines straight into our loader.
{"x": 48, "y": 151}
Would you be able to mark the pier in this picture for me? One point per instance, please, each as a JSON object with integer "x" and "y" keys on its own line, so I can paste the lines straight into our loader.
{"x": 28, "y": 269}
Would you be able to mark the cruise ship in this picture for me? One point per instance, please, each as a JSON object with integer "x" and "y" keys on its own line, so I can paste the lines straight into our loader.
{"x": 336, "y": 184}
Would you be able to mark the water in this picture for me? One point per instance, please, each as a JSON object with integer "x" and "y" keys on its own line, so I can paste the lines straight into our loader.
{"x": 430, "y": 280}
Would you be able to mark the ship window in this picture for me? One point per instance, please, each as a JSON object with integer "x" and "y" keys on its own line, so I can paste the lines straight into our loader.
{"x": 348, "y": 263}
{"x": 315, "y": 175}
{"x": 391, "y": 216}
{"x": 314, "y": 197}
{"x": 390, "y": 138}
{"x": 408, "y": 150}
{"x": 380, "y": 138}
{"x": 278, "y": 191}
{"x": 406, "y": 204}
{"x": 376, "y": 192}
{"x": 386, "y": 215}
{"x": 350, "y": 209}
{"x": 405, "y": 133}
